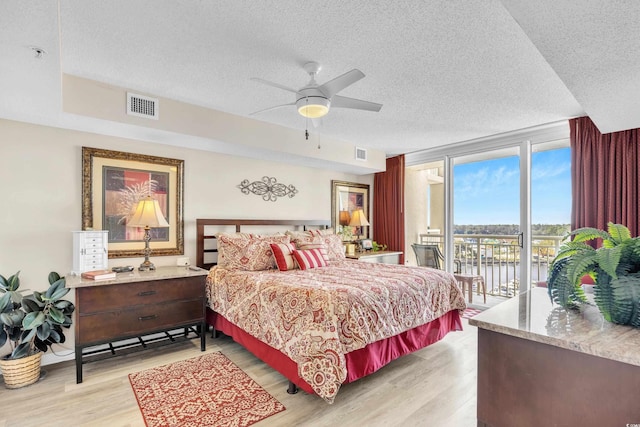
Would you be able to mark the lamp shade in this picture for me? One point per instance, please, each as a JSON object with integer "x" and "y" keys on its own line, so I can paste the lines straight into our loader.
{"x": 358, "y": 219}
{"x": 148, "y": 214}
{"x": 344, "y": 218}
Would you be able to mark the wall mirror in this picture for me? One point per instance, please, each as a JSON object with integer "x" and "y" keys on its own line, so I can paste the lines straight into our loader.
{"x": 350, "y": 208}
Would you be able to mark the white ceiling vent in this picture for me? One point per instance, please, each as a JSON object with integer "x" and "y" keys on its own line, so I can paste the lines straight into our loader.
{"x": 142, "y": 106}
{"x": 361, "y": 154}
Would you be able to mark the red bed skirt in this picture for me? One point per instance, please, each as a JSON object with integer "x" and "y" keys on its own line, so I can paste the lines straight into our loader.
{"x": 360, "y": 362}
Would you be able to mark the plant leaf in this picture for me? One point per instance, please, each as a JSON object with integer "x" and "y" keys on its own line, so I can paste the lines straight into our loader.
{"x": 29, "y": 305}
{"x": 579, "y": 264}
{"x": 56, "y": 337}
{"x": 53, "y": 289}
{"x": 43, "y": 331}
{"x": 14, "y": 282}
{"x": 56, "y": 315}
{"x": 21, "y": 350}
{"x": 588, "y": 233}
{"x": 59, "y": 293}
{"x": 53, "y": 277}
{"x": 618, "y": 232}
{"x": 608, "y": 259}
{"x": 13, "y": 318}
{"x": 5, "y": 300}
{"x": 33, "y": 320}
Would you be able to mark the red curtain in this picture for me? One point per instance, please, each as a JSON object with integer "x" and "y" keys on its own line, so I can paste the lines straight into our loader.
{"x": 388, "y": 206}
{"x": 605, "y": 174}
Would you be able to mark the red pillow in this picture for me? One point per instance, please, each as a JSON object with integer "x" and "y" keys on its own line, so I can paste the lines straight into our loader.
{"x": 283, "y": 254}
{"x": 311, "y": 258}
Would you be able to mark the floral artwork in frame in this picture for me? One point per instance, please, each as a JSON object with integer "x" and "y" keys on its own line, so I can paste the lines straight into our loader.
{"x": 112, "y": 184}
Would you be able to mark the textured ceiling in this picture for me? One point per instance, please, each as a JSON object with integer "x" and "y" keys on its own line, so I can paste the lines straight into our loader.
{"x": 445, "y": 71}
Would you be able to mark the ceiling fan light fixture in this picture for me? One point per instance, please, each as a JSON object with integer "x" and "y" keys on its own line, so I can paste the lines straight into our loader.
{"x": 313, "y": 107}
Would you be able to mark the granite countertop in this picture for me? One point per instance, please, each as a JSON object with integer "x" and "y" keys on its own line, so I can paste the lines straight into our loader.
{"x": 532, "y": 316}
{"x": 159, "y": 273}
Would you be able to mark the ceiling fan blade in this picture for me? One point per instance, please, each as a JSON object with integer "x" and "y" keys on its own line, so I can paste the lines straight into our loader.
{"x": 272, "y": 108}
{"x": 334, "y": 86}
{"x": 344, "y": 102}
{"x": 278, "y": 85}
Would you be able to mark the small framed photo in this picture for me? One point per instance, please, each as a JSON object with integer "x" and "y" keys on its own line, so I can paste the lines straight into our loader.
{"x": 367, "y": 244}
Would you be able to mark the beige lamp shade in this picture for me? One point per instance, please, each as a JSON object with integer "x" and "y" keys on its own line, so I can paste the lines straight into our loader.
{"x": 344, "y": 218}
{"x": 358, "y": 219}
{"x": 148, "y": 214}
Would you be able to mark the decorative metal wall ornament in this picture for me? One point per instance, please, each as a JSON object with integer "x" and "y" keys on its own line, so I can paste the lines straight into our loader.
{"x": 268, "y": 188}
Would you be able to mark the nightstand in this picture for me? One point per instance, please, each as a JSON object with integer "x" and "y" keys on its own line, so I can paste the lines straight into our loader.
{"x": 135, "y": 304}
{"x": 383, "y": 257}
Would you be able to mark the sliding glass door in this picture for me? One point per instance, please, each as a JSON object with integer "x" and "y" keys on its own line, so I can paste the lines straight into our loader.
{"x": 499, "y": 206}
{"x": 487, "y": 239}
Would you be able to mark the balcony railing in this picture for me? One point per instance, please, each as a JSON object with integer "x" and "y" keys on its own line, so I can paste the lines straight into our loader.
{"x": 497, "y": 258}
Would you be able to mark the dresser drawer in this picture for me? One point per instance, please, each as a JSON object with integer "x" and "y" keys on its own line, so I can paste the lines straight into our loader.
{"x": 111, "y": 325}
{"x": 120, "y": 296}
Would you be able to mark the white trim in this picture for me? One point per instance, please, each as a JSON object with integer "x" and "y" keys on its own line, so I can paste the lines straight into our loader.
{"x": 525, "y": 215}
{"x": 536, "y": 135}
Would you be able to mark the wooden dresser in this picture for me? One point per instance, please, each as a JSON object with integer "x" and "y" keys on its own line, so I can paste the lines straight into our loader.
{"x": 135, "y": 304}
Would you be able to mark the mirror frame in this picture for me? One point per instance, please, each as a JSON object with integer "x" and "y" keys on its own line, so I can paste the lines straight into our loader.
{"x": 339, "y": 198}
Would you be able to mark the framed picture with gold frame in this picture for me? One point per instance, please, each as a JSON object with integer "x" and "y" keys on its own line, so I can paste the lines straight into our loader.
{"x": 346, "y": 199}
{"x": 112, "y": 184}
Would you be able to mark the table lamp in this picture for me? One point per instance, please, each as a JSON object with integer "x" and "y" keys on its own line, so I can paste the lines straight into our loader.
{"x": 147, "y": 215}
{"x": 358, "y": 220}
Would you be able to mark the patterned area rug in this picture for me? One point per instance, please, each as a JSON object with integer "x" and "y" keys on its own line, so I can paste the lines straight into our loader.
{"x": 469, "y": 312}
{"x": 207, "y": 390}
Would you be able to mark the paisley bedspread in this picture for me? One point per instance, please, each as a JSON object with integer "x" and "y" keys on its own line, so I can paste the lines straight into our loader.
{"x": 317, "y": 316}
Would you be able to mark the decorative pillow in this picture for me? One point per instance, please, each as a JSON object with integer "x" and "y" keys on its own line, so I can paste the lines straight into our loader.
{"x": 242, "y": 251}
{"x": 310, "y": 258}
{"x": 333, "y": 242}
{"x": 283, "y": 254}
{"x": 305, "y": 246}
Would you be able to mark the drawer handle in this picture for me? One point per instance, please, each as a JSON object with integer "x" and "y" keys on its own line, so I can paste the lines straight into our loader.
{"x": 153, "y": 316}
{"x": 146, "y": 293}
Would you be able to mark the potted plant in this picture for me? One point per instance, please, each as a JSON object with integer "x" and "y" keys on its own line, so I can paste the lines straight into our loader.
{"x": 614, "y": 268}
{"x": 30, "y": 324}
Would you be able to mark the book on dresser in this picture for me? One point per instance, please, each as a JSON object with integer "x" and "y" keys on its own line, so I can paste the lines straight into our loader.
{"x": 99, "y": 274}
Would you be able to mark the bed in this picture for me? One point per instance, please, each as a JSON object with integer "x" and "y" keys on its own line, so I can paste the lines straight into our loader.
{"x": 328, "y": 324}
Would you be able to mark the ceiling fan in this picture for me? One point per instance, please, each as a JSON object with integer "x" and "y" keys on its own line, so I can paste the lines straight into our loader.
{"x": 314, "y": 101}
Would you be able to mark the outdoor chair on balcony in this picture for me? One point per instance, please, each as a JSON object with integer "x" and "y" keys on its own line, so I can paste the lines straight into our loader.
{"x": 466, "y": 282}
{"x": 430, "y": 256}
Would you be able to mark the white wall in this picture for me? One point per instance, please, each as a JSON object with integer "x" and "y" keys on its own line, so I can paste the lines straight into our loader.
{"x": 41, "y": 187}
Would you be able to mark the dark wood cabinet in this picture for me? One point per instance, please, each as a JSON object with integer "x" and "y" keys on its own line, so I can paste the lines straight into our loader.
{"x": 137, "y": 304}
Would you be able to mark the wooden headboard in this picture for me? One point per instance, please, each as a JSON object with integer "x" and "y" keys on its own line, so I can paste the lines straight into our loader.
{"x": 203, "y": 236}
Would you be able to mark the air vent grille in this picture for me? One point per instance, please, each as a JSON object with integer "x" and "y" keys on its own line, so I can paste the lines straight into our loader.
{"x": 361, "y": 154}
{"x": 142, "y": 106}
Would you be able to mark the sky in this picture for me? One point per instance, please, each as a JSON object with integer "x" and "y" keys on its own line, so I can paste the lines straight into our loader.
{"x": 488, "y": 192}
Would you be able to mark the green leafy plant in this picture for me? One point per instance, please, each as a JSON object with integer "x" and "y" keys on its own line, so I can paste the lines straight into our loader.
{"x": 378, "y": 247}
{"x": 614, "y": 267}
{"x": 33, "y": 322}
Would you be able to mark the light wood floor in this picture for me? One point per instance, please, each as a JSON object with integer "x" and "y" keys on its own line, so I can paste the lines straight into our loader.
{"x": 435, "y": 386}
